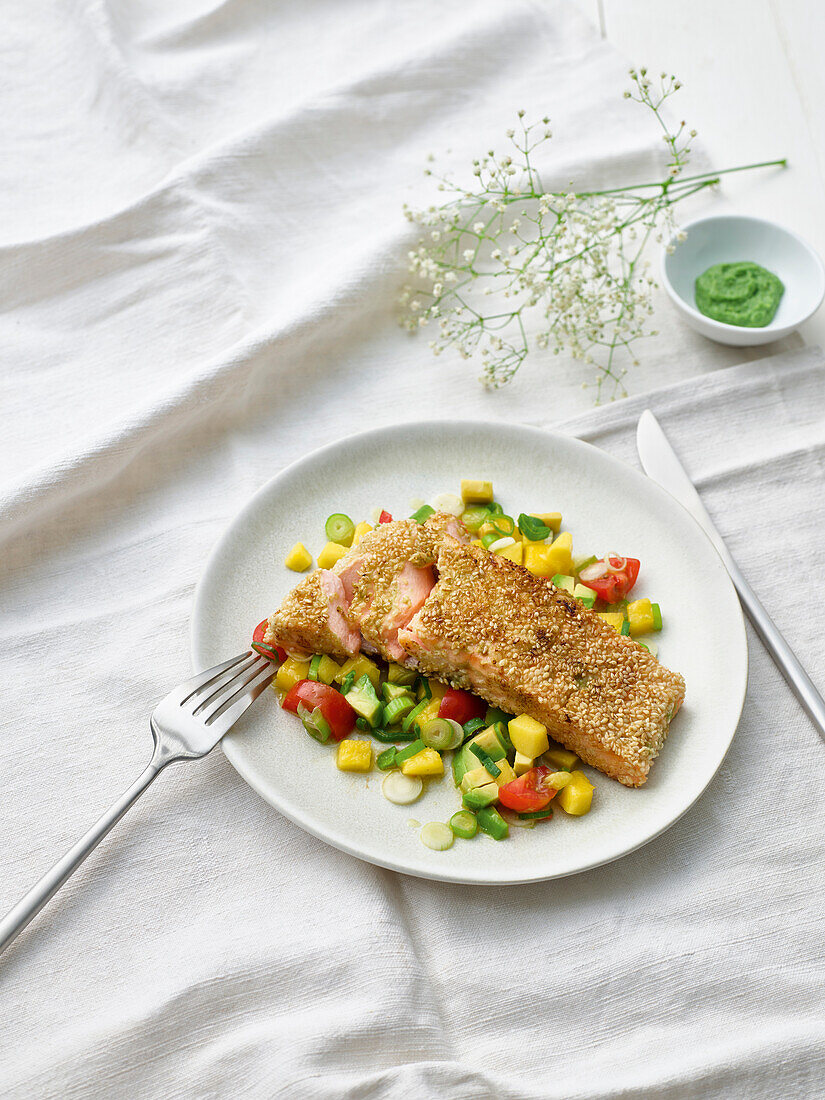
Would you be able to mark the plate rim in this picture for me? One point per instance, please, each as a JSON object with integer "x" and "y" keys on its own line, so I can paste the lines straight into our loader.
{"x": 476, "y": 425}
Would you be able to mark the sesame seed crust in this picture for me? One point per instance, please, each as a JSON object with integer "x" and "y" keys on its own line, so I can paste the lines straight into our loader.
{"x": 492, "y": 627}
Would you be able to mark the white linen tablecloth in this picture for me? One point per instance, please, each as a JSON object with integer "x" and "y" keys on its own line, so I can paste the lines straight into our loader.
{"x": 200, "y": 249}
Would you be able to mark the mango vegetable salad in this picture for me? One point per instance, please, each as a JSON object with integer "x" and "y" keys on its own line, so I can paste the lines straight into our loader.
{"x": 377, "y": 714}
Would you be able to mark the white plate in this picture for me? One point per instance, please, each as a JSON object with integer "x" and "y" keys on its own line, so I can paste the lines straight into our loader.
{"x": 608, "y": 507}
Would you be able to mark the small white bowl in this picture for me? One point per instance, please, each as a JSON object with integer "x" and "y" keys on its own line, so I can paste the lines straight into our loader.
{"x": 729, "y": 238}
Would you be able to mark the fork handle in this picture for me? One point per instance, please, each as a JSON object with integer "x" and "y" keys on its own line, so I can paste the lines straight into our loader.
{"x": 31, "y": 903}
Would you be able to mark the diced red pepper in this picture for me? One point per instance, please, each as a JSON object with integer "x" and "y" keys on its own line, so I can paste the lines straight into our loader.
{"x": 385, "y": 517}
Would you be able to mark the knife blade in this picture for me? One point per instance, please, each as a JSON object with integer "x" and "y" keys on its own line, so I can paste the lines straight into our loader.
{"x": 662, "y": 465}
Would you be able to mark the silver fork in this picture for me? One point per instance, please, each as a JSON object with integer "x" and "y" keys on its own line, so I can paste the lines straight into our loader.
{"x": 186, "y": 725}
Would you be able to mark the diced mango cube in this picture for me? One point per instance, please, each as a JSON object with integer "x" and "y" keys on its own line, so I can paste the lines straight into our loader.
{"x": 476, "y": 492}
{"x": 438, "y": 689}
{"x": 506, "y": 773}
{"x": 549, "y": 519}
{"x": 515, "y": 552}
{"x": 535, "y": 559}
{"x": 354, "y": 755}
{"x": 426, "y": 762}
{"x": 560, "y": 758}
{"x": 427, "y": 714}
{"x": 522, "y": 763}
{"x": 560, "y": 554}
{"x": 529, "y": 737}
{"x": 559, "y": 780}
{"x": 612, "y": 618}
{"x": 332, "y": 552}
{"x": 640, "y": 617}
{"x": 327, "y": 669}
{"x": 577, "y": 796}
{"x": 361, "y": 666}
{"x": 298, "y": 559}
{"x": 361, "y": 529}
{"x": 290, "y": 673}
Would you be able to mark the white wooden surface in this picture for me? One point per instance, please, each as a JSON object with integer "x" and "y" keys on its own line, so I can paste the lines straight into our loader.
{"x": 754, "y": 87}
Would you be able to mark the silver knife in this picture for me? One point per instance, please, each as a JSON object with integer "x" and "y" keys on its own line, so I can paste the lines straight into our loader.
{"x": 661, "y": 464}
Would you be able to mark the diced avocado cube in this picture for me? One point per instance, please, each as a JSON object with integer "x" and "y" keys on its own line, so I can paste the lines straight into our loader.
{"x": 479, "y": 797}
{"x": 489, "y": 741}
{"x": 584, "y": 595}
{"x": 363, "y": 700}
{"x": 463, "y": 761}
{"x": 522, "y": 763}
{"x": 492, "y": 823}
{"x": 392, "y": 691}
{"x": 562, "y": 580}
{"x": 397, "y": 674}
{"x": 496, "y": 714}
{"x": 476, "y": 777}
{"x": 560, "y": 758}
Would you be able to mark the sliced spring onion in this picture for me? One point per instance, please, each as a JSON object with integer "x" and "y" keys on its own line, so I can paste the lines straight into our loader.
{"x": 390, "y": 736}
{"x": 386, "y": 759}
{"x": 401, "y": 789}
{"x": 297, "y": 654}
{"x": 593, "y": 572}
{"x": 347, "y": 682}
{"x": 582, "y": 563}
{"x": 397, "y": 708}
{"x": 473, "y": 518}
{"x": 411, "y": 750}
{"x": 625, "y": 628}
{"x": 532, "y": 528}
{"x": 362, "y": 723}
{"x": 536, "y": 815}
{"x": 492, "y": 823}
{"x": 488, "y": 539}
{"x": 442, "y": 734}
{"x": 407, "y": 724}
{"x": 313, "y": 667}
{"x": 615, "y": 564}
{"x": 448, "y": 502}
{"x": 314, "y": 723}
{"x": 485, "y": 759}
{"x": 424, "y": 512}
{"x": 513, "y": 819}
{"x": 505, "y": 525}
{"x": 500, "y": 544}
{"x": 657, "y": 616}
{"x": 473, "y": 726}
{"x": 464, "y": 824}
{"x": 339, "y": 528}
{"x": 437, "y": 835}
{"x": 494, "y": 508}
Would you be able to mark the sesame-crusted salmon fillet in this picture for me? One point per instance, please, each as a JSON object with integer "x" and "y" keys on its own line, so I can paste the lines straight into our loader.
{"x": 516, "y": 640}
{"x": 369, "y": 595}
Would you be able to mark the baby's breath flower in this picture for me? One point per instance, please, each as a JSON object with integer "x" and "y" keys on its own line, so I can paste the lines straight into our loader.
{"x": 579, "y": 268}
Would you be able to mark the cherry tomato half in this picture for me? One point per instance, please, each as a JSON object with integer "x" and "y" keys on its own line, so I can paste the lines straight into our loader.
{"x": 529, "y": 792}
{"x": 461, "y": 706}
{"x": 271, "y": 652}
{"x": 339, "y": 715}
{"x": 615, "y": 586}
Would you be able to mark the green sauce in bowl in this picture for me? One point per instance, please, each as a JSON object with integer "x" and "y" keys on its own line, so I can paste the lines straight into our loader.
{"x": 742, "y": 293}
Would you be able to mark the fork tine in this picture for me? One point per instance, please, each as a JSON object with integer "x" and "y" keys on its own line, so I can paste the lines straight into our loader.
{"x": 197, "y": 699}
{"x": 226, "y": 686}
{"x": 185, "y": 690}
{"x": 229, "y": 710}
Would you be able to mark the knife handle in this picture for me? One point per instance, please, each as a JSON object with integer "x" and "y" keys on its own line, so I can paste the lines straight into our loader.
{"x": 798, "y": 679}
